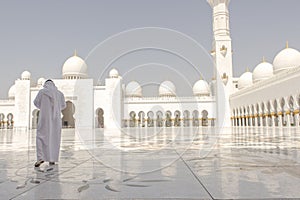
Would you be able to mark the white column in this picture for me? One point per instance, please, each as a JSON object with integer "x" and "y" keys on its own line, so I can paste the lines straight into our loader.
{"x": 288, "y": 120}
{"x": 297, "y": 119}
{"x": 280, "y": 121}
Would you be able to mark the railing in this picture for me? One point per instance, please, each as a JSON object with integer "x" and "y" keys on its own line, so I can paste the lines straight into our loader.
{"x": 169, "y": 99}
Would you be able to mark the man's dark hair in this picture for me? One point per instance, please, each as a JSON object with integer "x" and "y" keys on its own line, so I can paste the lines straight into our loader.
{"x": 48, "y": 80}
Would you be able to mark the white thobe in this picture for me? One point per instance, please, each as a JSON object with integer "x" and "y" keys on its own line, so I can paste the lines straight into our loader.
{"x": 50, "y": 101}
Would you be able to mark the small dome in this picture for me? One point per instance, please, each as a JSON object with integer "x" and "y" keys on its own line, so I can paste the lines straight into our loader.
{"x": 286, "y": 59}
{"x": 74, "y": 67}
{"x": 167, "y": 88}
{"x": 245, "y": 80}
{"x": 262, "y": 71}
{"x": 133, "y": 89}
{"x": 25, "y": 75}
{"x": 113, "y": 73}
{"x": 201, "y": 88}
{"x": 12, "y": 92}
{"x": 41, "y": 81}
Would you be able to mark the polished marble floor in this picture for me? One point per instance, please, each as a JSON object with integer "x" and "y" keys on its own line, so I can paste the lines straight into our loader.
{"x": 150, "y": 163}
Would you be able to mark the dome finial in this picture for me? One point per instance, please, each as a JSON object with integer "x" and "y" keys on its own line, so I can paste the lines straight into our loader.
{"x": 75, "y": 52}
{"x": 287, "y": 44}
{"x": 201, "y": 77}
{"x": 247, "y": 69}
{"x": 264, "y": 59}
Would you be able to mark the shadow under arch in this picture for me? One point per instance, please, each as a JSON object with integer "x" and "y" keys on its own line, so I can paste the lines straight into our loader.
{"x": 99, "y": 118}
{"x": 68, "y": 120}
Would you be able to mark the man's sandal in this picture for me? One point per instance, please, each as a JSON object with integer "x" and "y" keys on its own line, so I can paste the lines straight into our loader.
{"x": 38, "y": 163}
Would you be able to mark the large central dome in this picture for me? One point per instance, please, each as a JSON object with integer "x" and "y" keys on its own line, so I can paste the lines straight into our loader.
{"x": 74, "y": 68}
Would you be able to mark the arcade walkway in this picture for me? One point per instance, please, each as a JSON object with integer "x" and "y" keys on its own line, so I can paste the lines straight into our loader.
{"x": 171, "y": 163}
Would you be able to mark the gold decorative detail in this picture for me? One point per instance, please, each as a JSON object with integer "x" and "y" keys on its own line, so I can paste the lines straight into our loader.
{"x": 273, "y": 113}
{"x": 296, "y": 112}
{"x": 287, "y": 44}
{"x": 225, "y": 78}
{"x": 223, "y": 50}
{"x": 213, "y": 52}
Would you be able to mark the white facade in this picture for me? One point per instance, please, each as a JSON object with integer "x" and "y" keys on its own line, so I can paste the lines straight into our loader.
{"x": 268, "y": 96}
{"x": 109, "y": 106}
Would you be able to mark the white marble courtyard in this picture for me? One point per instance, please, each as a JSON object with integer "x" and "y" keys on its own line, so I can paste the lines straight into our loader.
{"x": 171, "y": 163}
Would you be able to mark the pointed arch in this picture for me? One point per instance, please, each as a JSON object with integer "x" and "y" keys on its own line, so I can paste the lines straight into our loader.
{"x": 132, "y": 121}
{"x": 159, "y": 119}
{"x": 168, "y": 115}
{"x": 204, "y": 118}
{"x": 2, "y": 122}
{"x": 10, "y": 120}
{"x": 150, "y": 121}
{"x": 177, "y": 118}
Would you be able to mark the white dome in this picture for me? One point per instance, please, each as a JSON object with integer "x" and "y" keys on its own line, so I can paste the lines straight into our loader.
{"x": 201, "y": 88}
{"x": 74, "y": 67}
{"x": 285, "y": 59}
{"x": 12, "y": 92}
{"x": 262, "y": 71}
{"x": 245, "y": 80}
{"x": 25, "y": 75}
{"x": 113, "y": 73}
{"x": 167, "y": 88}
{"x": 133, "y": 89}
{"x": 41, "y": 81}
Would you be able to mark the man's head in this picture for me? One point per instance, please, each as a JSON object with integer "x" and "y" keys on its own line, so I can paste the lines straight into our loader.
{"x": 49, "y": 83}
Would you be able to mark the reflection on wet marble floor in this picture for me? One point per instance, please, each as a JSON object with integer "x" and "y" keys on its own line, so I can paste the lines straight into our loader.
{"x": 171, "y": 163}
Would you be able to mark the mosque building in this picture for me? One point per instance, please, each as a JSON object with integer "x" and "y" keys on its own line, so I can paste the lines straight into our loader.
{"x": 268, "y": 96}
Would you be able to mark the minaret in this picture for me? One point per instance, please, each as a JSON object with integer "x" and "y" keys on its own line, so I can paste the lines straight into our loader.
{"x": 222, "y": 57}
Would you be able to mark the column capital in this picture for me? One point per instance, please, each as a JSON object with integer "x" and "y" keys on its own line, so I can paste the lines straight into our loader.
{"x": 214, "y": 3}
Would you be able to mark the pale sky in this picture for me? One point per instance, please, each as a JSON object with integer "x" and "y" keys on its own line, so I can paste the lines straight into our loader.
{"x": 39, "y": 36}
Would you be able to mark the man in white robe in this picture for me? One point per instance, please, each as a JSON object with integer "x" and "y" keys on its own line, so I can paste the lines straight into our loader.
{"x": 51, "y": 102}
